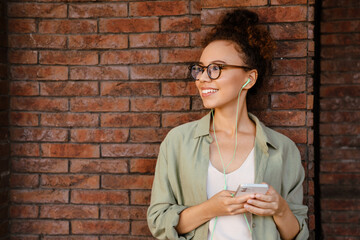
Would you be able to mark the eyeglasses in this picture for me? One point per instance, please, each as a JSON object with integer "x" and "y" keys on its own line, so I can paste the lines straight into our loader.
{"x": 213, "y": 70}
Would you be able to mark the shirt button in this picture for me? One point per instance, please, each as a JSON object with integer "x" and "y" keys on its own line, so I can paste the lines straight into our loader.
{"x": 253, "y": 225}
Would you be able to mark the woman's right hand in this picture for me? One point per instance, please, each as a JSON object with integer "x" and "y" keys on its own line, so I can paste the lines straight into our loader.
{"x": 223, "y": 203}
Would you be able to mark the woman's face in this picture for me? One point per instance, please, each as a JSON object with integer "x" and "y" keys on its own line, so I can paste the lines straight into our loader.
{"x": 224, "y": 90}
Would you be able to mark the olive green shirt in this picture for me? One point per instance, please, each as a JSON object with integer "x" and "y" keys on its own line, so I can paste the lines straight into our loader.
{"x": 181, "y": 175}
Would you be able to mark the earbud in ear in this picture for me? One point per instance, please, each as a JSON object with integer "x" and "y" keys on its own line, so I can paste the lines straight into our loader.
{"x": 247, "y": 82}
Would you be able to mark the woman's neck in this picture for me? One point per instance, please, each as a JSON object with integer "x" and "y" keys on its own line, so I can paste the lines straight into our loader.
{"x": 225, "y": 120}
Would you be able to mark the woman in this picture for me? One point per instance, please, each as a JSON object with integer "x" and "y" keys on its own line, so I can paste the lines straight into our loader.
{"x": 201, "y": 163}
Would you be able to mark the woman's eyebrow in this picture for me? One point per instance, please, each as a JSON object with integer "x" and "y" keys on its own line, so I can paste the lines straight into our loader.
{"x": 215, "y": 61}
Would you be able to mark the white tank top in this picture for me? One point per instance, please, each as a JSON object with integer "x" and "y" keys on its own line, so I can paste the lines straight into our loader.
{"x": 230, "y": 227}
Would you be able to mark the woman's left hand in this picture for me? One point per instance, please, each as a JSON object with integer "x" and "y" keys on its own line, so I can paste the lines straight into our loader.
{"x": 269, "y": 204}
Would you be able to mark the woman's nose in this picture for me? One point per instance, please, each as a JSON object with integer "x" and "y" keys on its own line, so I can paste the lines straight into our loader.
{"x": 204, "y": 77}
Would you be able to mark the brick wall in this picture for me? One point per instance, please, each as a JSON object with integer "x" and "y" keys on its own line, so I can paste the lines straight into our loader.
{"x": 339, "y": 119}
{"x": 95, "y": 87}
{"x": 4, "y": 128}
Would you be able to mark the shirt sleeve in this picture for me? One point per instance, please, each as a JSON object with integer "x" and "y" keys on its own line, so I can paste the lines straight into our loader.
{"x": 163, "y": 212}
{"x": 294, "y": 187}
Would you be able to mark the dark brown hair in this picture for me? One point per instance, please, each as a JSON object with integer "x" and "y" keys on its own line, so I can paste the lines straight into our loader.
{"x": 253, "y": 41}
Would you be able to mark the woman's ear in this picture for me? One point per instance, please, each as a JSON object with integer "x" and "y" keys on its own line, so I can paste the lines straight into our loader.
{"x": 252, "y": 76}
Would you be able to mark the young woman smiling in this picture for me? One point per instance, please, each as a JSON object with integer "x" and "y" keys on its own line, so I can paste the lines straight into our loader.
{"x": 201, "y": 163}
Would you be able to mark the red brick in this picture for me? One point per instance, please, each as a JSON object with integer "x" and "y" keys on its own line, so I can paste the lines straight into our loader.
{"x": 180, "y": 24}
{"x": 99, "y": 166}
{"x": 39, "y": 72}
{"x": 146, "y": 40}
{"x": 340, "y": 39}
{"x": 70, "y": 120}
{"x": 129, "y": 150}
{"x": 298, "y": 135}
{"x": 70, "y": 181}
{"x": 291, "y": 49}
{"x": 349, "y": 26}
{"x": 340, "y": 229}
{"x": 142, "y": 165}
{"x": 290, "y": 67}
{"x": 68, "y": 211}
{"x": 340, "y": 129}
{"x": 340, "y": 91}
{"x": 39, "y": 196}
{"x": 40, "y": 165}
{"x": 339, "y": 178}
{"x": 160, "y": 104}
{"x": 23, "y": 119}
{"x": 69, "y": 57}
{"x": 70, "y": 150}
{"x": 24, "y": 88}
{"x": 99, "y": 104}
{"x": 140, "y": 197}
{"x": 70, "y": 237}
{"x": 158, "y": 8}
{"x": 175, "y": 119}
{"x": 339, "y": 141}
{"x": 126, "y": 182}
{"x": 25, "y": 149}
{"x": 99, "y": 135}
{"x": 158, "y": 72}
{"x": 283, "y": 118}
{"x": 24, "y": 181}
{"x": 99, "y": 73}
{"x": 22, "y": 25}
{"x": 22, "y": 56}
{"x": 211, "y": 16}
{"x": 195, "y": 39}
{"x": 148, "y": 134}
{"x": 340, "y": 217}
{"x": 340, "y": 52}
{"x": 37, "y": 41}
{"x": 285, "y": 84}
{"x": 130, "y": 56}
{"x": 43, "y": 10}
{"x": 140, "y": 228}
{"x": 24, "y": 237}
{"x": 130, "y": 89}
{"x": 99, "y": 197}
{"x": 286, "y": 101}
{"x": 39, "y": 134}
{"x": 341, "y": 204}
{"x": 179, "y": 88}
{"x": 67, "y": 26}
{"x": 348, "y": 103}
{"x": 94, "y": 10}
{"x": 282, "y": 14}
{"x": 69, "y": 89}
{"x": 130, "y": 120}
{"x": 232, "y": 3}
{"x": 340, "y": 66}
{"x": 340, "y": 117}
{"x": 340, "y": 13}
{"x": 344, "y": 3}
{"x": 99, "y": 227}
{"x": 23, "y": 211}
{"x": 341, "y": 155}
{"x": 40, "y": 227}
{"x": 128, "y": 25}
{"x": 290, "y": 2}
{"x": 180, "y": 55}
{"x": 123, "y": 212}
{"x": 98, "y": 41}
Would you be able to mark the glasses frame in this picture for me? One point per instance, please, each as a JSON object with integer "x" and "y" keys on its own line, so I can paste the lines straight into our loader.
{"x": 221, "y": 67}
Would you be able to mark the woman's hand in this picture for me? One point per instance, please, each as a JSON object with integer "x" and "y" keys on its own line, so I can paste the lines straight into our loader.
{"x": 269, "y": 204}
{"x": 272, "y": 204}
{"x": 223, "y": 204}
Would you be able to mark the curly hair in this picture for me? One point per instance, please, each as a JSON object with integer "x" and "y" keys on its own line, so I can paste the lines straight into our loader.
{"x": 253, "y": 41}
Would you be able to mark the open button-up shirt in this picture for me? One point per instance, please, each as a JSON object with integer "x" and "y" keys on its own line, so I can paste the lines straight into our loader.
{"x": 181, "y": 175}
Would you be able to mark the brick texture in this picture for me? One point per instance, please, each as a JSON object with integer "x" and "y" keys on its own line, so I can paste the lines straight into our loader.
{"x": 339, "y": 175}
{"x": 5, "y": 180}
{"x": 96, "y": 85}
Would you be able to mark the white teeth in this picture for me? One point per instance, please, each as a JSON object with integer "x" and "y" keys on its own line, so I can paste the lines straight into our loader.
{"x": 209, "y": 91}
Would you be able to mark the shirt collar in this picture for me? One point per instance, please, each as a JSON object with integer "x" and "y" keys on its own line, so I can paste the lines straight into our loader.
{"x": 263, "y": 135}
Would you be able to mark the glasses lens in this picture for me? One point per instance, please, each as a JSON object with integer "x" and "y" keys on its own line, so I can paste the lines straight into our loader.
{"x": 214, "y": 71}
{"x": 195, "y": 71}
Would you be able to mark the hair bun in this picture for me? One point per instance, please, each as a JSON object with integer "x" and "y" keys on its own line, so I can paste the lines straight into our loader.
{"x": 240, "y": 17}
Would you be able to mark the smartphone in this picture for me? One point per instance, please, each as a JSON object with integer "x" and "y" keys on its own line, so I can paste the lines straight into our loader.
{"x": 249, "y": 188}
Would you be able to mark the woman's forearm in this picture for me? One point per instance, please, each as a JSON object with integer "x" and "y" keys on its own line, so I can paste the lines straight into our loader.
{"x": 286, "y": 222}
{"x": 193, "y": 217}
